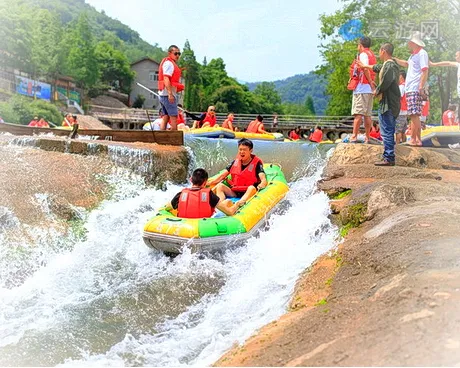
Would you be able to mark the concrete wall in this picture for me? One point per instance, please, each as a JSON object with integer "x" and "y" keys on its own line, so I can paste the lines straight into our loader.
{"x": 143, "y": 70}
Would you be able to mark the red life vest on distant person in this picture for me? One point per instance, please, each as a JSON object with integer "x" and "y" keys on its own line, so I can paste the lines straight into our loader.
{"x": 372, "y": 61}
{"x": 403, "y": 99}
{"x": 294, "y": 136}
{"x": 194, "y": 203}
{"x": 316, "y": 136}
{"x": 225, "y": 124}
{"x": 253, "y": 126}
{"x": 241, "y": 180}
{"x": 211, "y": 119}
{"x": 180, "y": 118}
{"x": 445, "y": 118}
{"x": 174, "y": 78}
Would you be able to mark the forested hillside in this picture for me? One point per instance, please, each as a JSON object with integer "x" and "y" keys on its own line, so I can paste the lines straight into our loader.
{"x": 49, "y": 38}
{"x": 296, "y": 89}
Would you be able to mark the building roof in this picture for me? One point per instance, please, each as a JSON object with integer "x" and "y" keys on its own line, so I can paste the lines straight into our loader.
{"x": 145, "y": 58}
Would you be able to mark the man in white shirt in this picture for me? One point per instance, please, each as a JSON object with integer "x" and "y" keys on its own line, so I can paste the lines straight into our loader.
{"x": 169, "y": 75}
{"x": 417, "y": 76}
{"x": 363, "y": 94}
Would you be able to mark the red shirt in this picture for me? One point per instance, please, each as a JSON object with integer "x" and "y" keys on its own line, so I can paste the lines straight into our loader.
{"x": 375, "y": 134}
{"x": 294, "y": 136}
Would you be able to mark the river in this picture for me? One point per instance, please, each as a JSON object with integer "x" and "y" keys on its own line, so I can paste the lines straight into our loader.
{"x": 106, "y": 299}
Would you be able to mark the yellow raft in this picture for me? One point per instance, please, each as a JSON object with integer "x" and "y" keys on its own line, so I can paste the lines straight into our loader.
{"x": 258, "y": 136}
{"x": 169, "y": 233}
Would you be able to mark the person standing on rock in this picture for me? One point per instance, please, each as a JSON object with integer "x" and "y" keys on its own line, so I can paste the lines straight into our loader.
{"x": 362, "y": 95}
{"x": 169, "y": 86}
{"x": 389, "y": 96}
{"x": 417, "y": 76}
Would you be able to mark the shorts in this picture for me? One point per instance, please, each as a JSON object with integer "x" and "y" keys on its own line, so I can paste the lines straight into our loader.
{"x": 168, "y": 108}
{"x": 414, "y": 103}
{"x": 401, "y": 124}
{"x": 362, "y": 104}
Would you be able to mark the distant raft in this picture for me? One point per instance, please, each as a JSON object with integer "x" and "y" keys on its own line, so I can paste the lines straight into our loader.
{"x": 441, "y": 136}
{"x": 216, "y": 132}
{"x": 168, "y": 233}
{"x": 258, "y": 136}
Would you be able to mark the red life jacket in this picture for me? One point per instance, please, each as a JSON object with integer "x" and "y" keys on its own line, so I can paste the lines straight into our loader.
{"x": 174, "y": 78}
{"x": 316, "y": 136}
{"x": 194, "y": 203}
{"x": 180, "y": 118}
{"x": 293, "y": 135}
{"x": 211, "y": 119}
{"x": 403, "y": 99}
{"x": 241, "y": 180}
{"x": 253, "y": 126}
{"x": 445, "y": 118}
{"x": 425, "y": 108}
{"x": 372, "y": 61}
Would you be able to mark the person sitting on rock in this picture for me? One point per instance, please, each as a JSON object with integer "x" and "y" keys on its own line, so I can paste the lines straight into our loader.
{"x": 68, "y": 121}
{"x": 375, "y": 131}
{"x": 34, "y": 122}
{"x": 199, "y": 201}
{"x": 246, "y": 172}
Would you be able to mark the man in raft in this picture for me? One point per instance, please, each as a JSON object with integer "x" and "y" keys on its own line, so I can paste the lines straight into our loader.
{"x": 256, "y": 126}
{"x": 199, "y": 201}
{"x": 228, "y": 123}
{"x": 247, "y": 175}
{"x": 207, "y": 119}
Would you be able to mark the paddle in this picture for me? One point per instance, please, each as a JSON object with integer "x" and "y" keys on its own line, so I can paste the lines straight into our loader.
{"x": 189, "y": 114}
{"x": 150, "y": 122}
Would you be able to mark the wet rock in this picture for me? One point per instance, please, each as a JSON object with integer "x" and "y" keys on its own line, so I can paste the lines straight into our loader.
{"x": 387, "y": 196}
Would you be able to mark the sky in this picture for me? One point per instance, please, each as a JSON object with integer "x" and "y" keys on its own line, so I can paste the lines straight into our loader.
{"x": 259, "y": 40}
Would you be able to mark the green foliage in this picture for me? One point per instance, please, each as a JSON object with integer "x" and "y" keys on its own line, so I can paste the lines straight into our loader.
{"x": 341, "y": 195}
{"x": 192, "y": 78}
{"x": 321, "y": 302}
{"x": 309, "y": 105}
{"x": 394, "y": 14}
{"x": 138, "y": 102}
{"x": 115, "y": 67}
{"x": 21, "y": 110}
{"x": 81, "y": 60}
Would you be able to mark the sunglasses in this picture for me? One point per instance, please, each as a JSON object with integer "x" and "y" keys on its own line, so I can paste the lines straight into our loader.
{"x": 177, "y": 53}
{"x": 212, "y": 110}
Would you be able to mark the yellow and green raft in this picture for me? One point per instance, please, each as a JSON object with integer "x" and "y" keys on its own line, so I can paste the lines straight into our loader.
{"x": 169, "y": 233}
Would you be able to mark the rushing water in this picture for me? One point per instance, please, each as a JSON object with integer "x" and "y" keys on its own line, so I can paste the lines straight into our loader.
{"x": 110, "y": 300}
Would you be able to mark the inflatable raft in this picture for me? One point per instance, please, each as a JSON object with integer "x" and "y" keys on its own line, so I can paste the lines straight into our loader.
{"x": 168, "y": 233}
{"x": 258, "y": 136}
{"x": 441, "y": 136}
{"x": 207, "y": 132}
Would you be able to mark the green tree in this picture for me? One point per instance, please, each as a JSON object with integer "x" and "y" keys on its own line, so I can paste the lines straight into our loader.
{"x": 233, "y": 96}
{"x": 397, "y": 15}
{"x": 268, "y": 96}
{"x": 310, "y": 105}
{"x": 45, "y": 48}
{"x": 81, "y": 60}
{"x": 114, "y": 67}
{"x": 192, "y": 95}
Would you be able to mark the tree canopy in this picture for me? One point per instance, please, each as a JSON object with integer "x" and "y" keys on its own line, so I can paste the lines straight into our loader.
{"x": 390, "y": 21}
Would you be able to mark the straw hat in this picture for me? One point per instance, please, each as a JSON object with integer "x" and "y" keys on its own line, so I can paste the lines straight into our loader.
{"x": 417, "y": 39}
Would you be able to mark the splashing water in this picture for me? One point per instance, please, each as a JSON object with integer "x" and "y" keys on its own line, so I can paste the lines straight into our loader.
{"x": 110, "y": 300}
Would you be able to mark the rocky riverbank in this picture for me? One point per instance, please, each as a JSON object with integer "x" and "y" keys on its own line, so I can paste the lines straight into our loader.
{"x": 44, "y": 176}
{"x": 389, "y": 293}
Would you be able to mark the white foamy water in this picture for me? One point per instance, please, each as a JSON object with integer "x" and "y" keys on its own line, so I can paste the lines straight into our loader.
{"x": 111, "y": 301}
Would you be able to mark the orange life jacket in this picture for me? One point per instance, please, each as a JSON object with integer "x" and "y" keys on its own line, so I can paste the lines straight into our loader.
{"x": 253, "y": 126}
{"x": 316, "y": 136}
{"x": 194, "y": 203}
{"x": 403, "y": 99}
{"x": 372, "y": 61}
{"x": 174, "y": 78}
{"x": 225, "y": 123}
{"x": 241, "y": 180}
{"x": 445, "y": 118}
